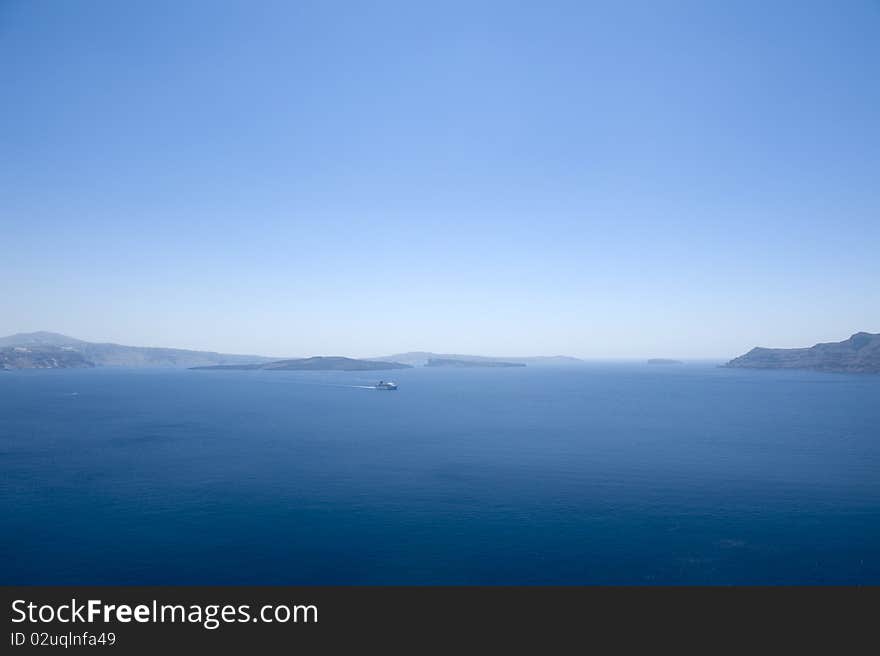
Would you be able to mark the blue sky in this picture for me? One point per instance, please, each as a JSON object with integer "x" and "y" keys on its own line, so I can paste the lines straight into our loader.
{"x": 636, "y": 179}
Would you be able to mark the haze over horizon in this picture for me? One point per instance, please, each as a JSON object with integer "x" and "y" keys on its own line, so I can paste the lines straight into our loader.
{"x": 681, "y": 180}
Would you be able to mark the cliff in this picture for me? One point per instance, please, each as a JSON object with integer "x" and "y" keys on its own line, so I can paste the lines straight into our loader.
{"x": 858, "y": 354}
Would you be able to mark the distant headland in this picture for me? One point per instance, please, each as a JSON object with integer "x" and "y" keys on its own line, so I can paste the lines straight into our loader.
{"x": 858, "y": 354}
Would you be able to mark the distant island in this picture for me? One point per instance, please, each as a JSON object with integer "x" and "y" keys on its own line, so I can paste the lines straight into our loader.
{"x": 318, "y": 363}
{"x": 48, "y": 350}
{"x": 447, "y": 362}
{"x": 858, "y": 354}
{"x": 421, "y": 359}
{"x": 664, "y": 361}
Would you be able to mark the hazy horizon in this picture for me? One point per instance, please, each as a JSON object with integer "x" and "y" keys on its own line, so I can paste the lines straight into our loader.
{"x": 442, "y": 352}
{"x": 684, "y": 180}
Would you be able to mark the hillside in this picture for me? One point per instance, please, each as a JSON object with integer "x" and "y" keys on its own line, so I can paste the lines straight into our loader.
{"x": 41, "y": 357}
{"x": 44, "y": 348}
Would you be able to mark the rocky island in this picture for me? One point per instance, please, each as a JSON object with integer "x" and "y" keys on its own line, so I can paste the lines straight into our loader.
{"x": 858, "y": 354}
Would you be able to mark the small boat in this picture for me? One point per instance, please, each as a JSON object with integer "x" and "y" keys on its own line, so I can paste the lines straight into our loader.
{"x": 386, "y": 385}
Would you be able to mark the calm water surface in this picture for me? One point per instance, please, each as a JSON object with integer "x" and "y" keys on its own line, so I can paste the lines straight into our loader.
{"x": 596, "y": 474}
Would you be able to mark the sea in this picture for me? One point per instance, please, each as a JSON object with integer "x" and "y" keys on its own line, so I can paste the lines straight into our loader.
{"x": 611, "y": 473}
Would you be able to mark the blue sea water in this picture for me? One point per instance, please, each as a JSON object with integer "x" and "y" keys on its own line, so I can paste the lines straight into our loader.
{"x": 599, "y": 474}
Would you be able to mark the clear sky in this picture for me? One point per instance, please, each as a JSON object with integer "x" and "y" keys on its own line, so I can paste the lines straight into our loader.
{"x": 615, "y": 179}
